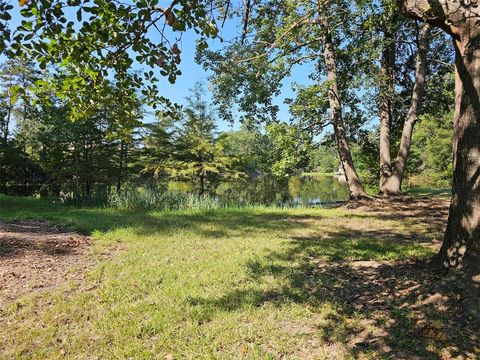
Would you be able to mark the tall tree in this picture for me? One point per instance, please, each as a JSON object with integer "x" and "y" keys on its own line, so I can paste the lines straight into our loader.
{"x": 188, "y": 149}
{"x": 461, "y": 245}
{"x": 391, "y": 180}
{"x": 386, "y": 90}
{"x": 355, "y": 186}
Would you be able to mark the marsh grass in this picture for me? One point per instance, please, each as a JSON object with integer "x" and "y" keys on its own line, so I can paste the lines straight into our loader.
{"x": 150, "y": 198}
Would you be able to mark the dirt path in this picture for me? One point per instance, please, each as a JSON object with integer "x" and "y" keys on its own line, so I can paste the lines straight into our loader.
{"x": 36, "y": 255}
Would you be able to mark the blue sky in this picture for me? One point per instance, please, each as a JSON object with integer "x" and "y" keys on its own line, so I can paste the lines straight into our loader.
{"x": 193, "y": 72}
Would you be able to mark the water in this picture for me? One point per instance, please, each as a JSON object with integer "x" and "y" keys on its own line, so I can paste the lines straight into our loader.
{"x": 302, "y": 190}
{"x": 316, "y": 189}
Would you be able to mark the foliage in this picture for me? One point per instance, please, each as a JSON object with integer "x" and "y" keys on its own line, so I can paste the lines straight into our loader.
{"x": 92, "y": 42}
{"x": 78, "y": 157}
{"x": 432, "y": 151}
{"x": 73, "y": 60}
{"x": 276, "y": 38}
{"x": 151, "y": 198}
{"x": 290, "y": 147}
{"x": 324, "y": 158}
{"x": 19, "y": 174}
{"x": 189, "y": 149}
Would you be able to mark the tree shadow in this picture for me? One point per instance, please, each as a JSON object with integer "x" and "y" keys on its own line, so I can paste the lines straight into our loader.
{"x": 395, "y": 308}
{"x": 431, "y": 212}
{"x": 367, "y": 274}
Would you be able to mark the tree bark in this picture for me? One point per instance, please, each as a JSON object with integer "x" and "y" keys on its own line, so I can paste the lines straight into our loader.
{"x": 6, "y": 126}
{"x": 120, "y": 165}
{"x": 202, "y": 183}
{"x": 460, "y": 19}
{"x": 355, "y": 187}
{"x": 461, "y": 242}
{"x": 392, "y": 185}
{"x": 387, "y": 93}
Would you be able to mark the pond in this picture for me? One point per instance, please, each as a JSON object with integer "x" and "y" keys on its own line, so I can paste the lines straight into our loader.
{"x": 317, "y": 189}
{"x": 305, "y": 190}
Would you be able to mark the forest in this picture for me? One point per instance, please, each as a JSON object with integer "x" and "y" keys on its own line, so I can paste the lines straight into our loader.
{"x": 240, "y": 179}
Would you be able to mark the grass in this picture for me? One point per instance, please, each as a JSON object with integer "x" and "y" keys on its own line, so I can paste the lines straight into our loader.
{"x": 206, "y": 285}
{"x": 318, "y": 173}
{"x": 445, "y": 193}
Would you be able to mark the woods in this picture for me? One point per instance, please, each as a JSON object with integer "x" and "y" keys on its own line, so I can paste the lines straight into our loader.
{"x": 365, "y": 108}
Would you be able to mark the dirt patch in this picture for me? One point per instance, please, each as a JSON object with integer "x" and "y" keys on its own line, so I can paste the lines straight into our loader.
{"x": 425, "y": 210}
{"x": 407, "y": 305}
{"x": 37, "y": 255}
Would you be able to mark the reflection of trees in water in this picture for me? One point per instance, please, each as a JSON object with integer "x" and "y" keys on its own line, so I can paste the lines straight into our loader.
{"x": 298, "y": 190}
{"x": 321, "y": 188}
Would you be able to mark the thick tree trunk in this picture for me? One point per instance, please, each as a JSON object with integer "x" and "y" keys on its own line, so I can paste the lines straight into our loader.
{"x": 387, "y": 93}
{"x": 461, "y": 244}
{"x": 462, "y": 238}
{"x": 392, "y": 185}
{"x": 354, "y": 184}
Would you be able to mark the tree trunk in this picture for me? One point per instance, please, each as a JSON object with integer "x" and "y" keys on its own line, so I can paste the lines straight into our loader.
{"x": 355, "y": 187}
{"x": 461, "y": 242}
{"x": 120, "y": 165}
{"x": 460, "y": 19}
{"x": 387, "y": 93}
{"x": 392, "y": 185}
{"x": 202, "y": 183}
{"x": 6, "y": 126}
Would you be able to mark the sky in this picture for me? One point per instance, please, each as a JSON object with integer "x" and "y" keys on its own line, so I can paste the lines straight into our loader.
{"x": 193, "y": 72}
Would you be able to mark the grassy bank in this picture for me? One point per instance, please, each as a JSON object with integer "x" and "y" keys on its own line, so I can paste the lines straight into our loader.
{"x": 241, "y": 283}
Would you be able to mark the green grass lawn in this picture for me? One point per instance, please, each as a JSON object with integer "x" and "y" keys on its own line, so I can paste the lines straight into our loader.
{"x": 211, "y": 285}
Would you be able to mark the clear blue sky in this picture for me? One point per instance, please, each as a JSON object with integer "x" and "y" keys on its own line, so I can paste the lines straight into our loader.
{"x": 193, "y": 72}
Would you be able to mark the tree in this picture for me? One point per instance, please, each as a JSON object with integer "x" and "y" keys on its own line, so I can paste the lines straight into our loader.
{"x": 80, "y": 159}
{"x": 290, "y": 148}
{"x": 355, "y": 186}
{"x": 196, "y": 155}
{"x": 461, "y": 245}
{"x": 391, "y": 57}
{"x": 392, "y": 173}
{"x": 324, "y": 158}
{"x": 432, "y": 150}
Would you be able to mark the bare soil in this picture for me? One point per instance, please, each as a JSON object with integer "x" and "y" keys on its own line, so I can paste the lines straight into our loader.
{"x": 36, "y": 255}
{"x": 437, "y": 306}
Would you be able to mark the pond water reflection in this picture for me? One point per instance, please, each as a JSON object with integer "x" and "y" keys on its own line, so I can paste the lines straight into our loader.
{"x": 304, "y": 190}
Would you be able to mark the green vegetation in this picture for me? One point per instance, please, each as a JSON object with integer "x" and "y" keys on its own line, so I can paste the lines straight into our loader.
{"x": 204, "y": 284}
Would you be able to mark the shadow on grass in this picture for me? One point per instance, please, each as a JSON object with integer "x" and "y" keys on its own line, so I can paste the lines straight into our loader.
{"x": 398, "y": 309}
{"x": 226, "y": 222}
{"x": 429, "y": 212}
